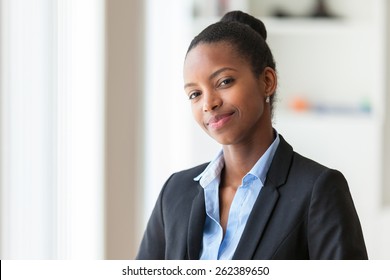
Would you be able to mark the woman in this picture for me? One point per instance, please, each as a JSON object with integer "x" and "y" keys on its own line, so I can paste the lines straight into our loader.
{"x": 258, "y": 199}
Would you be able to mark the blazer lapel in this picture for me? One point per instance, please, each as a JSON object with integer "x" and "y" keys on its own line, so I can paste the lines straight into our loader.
{"x": 256, "y": 224}
{"x": 265, "y": 203}
{"x": 195, "y": 225}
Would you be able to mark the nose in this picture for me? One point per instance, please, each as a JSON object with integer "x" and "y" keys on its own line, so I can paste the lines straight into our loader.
{"x": 212, "y": 101}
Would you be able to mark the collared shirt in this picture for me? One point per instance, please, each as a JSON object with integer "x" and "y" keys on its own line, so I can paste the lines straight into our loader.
{"x": 214, "y": 244}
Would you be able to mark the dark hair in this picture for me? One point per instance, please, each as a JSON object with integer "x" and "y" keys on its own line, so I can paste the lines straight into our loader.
{"x": 246, "y": 34}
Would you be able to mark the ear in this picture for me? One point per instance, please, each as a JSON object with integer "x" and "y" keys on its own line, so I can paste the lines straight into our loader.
{"x": 270, "y": 81}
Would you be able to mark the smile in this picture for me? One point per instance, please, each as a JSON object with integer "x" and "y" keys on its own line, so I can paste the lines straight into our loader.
{"x": 219, "y": 121}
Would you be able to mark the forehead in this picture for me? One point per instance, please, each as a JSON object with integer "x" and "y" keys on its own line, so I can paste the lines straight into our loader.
{"x": 207, "y": 57}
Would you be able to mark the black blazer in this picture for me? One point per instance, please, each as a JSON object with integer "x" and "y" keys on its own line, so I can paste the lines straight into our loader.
{"x": 304, "y": 211}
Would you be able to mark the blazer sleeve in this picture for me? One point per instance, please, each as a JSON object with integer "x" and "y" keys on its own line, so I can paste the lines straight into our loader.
{"x": 334, "y": 230}
{"x": 153, "y": 242}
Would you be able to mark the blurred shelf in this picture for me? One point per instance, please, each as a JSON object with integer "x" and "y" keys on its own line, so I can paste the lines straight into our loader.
{"x": 284, "y": 117}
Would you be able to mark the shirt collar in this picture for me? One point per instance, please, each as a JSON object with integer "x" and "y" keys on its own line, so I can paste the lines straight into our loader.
{"x": 212, "y": 170}
{"x": 260, "y": 169}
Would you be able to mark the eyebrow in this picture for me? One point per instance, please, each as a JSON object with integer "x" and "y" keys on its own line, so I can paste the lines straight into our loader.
{"x": 212, "y": 76}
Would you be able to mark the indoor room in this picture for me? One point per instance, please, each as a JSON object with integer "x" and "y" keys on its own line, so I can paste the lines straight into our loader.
{"x": 94, "y": 118}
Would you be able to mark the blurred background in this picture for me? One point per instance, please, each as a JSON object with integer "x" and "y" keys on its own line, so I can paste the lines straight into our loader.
{"x": 93, "y": 115}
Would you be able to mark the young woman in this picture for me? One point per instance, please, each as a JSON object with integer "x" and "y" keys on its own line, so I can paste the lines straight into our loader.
{"x": 258, "y": 199}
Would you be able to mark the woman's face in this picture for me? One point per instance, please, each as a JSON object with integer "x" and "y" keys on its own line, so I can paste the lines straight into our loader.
{"x": 227, "y": 100}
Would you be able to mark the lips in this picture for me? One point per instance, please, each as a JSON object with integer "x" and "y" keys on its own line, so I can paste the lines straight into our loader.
{"x": 218, "y": 121}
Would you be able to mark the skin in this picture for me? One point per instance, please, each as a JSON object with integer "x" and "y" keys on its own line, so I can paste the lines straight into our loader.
{"x": 228, "y": 103}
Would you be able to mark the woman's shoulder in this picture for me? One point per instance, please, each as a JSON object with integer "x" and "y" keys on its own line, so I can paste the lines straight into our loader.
{"x": 300, "y": 166}
{"x": 180, "y": 189}
{"x": 314, "y": 173}
{"x": 191, "y": 172}
{"x": 298, "y": 160}
{"x": 184, "y": 179}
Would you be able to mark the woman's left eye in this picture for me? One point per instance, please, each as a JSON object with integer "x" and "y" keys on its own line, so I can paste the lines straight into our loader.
{"x": 226, "y": 82}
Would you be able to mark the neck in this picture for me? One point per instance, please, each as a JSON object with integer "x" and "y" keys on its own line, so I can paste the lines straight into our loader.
{"x": 240, "y": 158}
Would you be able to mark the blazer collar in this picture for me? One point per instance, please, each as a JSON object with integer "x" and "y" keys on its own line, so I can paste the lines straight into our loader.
{"x": 280, "y": 166}
{"x": 265, "y": 203}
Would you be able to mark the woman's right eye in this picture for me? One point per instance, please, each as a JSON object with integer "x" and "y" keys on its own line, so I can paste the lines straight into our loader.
{"x": 193, "y": 95}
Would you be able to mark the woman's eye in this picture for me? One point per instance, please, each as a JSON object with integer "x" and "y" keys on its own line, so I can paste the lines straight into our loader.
{"x": 226, "y": 82}
{"x": 193, "y": 95}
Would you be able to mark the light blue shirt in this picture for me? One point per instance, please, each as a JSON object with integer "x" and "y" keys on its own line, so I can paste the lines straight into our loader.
{"x": 214, "y": 244}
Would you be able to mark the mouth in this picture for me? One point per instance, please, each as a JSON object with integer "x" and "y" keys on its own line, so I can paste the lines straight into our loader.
{"x": 218, "y": 121}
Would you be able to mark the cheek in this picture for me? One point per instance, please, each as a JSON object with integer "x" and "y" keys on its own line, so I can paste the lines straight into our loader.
{"x": 251, "y": 105}
{"x": 197, "y": 113}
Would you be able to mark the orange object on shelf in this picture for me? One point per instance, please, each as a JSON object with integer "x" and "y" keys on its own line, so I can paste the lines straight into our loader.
{"x": 299, "y": 104}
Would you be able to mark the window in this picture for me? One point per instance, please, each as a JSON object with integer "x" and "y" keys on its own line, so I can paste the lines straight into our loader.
{"x": 52, "y": 129}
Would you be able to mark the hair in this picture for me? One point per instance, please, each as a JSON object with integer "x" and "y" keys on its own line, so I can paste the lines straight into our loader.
{"x": 246, "y": 34}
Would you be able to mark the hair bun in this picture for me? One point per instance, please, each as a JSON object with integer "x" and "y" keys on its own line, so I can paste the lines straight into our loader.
{"x": 247, "y": 19}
